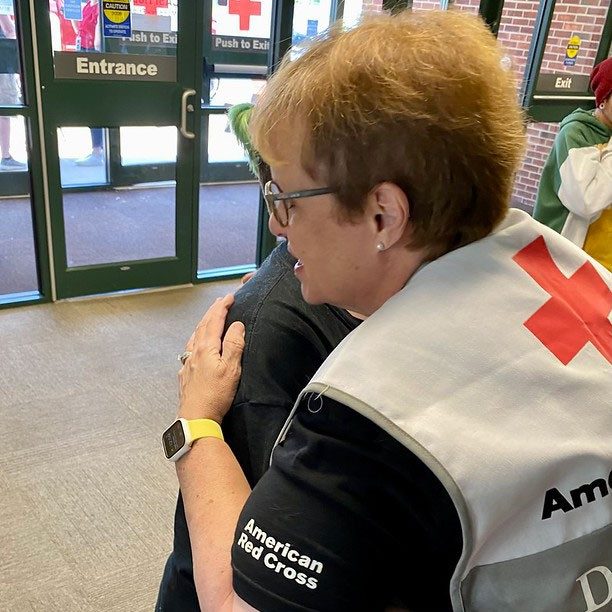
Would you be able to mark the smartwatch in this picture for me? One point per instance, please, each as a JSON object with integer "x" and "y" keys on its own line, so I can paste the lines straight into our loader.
{"x": 179, "y": 437}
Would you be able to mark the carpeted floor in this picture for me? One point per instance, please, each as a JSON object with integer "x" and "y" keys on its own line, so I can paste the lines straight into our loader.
{"x": 119, "y": 225}
{"x": 86, "y": 496}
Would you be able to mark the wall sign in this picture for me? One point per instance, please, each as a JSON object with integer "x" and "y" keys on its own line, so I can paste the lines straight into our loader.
{"x": 152, "y": 23}
{"x": 563, "y": 83}
{"x": 116, "y": 19}
{"x": 151, "y": 6}
{"x": 73, "y": 10}
{"x": 571, "y": 51}
{"x": 114, "y": 67}
{"x": 241, "y": 26}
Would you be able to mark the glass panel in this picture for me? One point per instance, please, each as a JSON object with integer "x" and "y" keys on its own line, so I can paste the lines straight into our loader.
{"x": 18, "y": 271}
{"x": 310, "y": 17}
{"x": 574, "y": 36}
{"x": 228, "y": 225}
{"x": 352, "y": 11}
{"x": 227, "y": 92}
{"x": 241, "y": 26}
{"x": 10, "y": 69}
{"x": 75, "y": 26}
{"x": 516, "y": 29}
{"x": 222, "y": 145}
{"x": 83, "y": 156}
{"x": 142, "y": 145}
{"x": 112, "y": 224}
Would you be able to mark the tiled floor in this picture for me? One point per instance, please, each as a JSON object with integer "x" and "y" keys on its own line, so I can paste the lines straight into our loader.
{"x": 86, "y": 496}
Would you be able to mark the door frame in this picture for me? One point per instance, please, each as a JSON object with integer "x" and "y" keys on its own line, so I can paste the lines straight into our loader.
{"x": 94, "y": 104}
{"x": 31, "y": 182}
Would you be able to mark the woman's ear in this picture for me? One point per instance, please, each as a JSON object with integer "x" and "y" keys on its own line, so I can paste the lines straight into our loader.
{"x": 391, "y": 213}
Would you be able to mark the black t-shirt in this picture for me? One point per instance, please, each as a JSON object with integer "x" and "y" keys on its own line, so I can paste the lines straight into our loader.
{"x": 346, "y": 518}
{"x": 286, "y": 341}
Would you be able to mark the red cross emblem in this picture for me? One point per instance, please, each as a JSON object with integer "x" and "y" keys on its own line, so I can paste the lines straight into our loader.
{"x": 245, "y": 9}
{"x": 151, "y": 6}
{"x": 578, "y": 308}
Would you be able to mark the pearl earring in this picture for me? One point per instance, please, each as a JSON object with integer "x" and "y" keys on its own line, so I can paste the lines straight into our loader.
{"x": 380, "y": 247}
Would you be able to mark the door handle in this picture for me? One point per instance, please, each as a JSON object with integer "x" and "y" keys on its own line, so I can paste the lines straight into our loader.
{"x": 185, "y": 108}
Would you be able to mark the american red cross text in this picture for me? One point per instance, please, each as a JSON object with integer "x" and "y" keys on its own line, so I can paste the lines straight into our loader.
{"x": 245, "y": 9}
{"x": 577, "y": 311}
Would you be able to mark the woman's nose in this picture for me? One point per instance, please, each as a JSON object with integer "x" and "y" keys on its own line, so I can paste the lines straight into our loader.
{"x": 276, "y": 228}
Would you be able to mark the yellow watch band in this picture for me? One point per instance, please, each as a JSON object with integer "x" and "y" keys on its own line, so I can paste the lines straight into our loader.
{"x": 204, "y": 428}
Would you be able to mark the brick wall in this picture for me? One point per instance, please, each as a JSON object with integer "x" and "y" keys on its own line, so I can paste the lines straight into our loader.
{"x": 372, "y": 6}
{"x": 584, "y": 18}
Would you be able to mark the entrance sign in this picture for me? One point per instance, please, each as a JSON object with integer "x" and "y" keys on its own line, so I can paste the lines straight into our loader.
{"x": 116, "y": 19}
{"x": 114, "y": 66}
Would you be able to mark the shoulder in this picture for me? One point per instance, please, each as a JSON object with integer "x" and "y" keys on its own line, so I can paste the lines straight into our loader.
{"x": 581, "y": 129}
{"x": 286, "y": 339}
{"x": 351, "y": 500}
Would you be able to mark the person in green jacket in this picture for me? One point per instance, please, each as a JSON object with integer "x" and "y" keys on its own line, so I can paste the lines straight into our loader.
{"x": 575, "y": 192}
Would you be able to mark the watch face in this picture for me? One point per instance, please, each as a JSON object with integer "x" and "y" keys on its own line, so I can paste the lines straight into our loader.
{"x": 173, "y": 439}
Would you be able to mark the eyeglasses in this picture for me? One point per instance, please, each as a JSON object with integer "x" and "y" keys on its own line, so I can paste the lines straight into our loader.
{"x": 277, "y": 200}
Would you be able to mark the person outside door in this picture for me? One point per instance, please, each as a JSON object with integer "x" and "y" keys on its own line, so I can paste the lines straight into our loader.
{"x": 88, "y": 39}
{"x": 9, "y": 95}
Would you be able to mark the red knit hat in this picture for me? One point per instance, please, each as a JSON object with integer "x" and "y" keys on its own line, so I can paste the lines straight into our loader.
{"x": 601, "y": 80}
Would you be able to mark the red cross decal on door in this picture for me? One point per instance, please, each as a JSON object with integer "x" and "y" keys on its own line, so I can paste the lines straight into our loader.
{"x": 578, "y": 308}
{"x": 151, "y": 6}
{"x": 245, "y": 9}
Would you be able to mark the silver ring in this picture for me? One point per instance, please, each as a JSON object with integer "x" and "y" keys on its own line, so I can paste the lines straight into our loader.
{"x": 183, "y": 357}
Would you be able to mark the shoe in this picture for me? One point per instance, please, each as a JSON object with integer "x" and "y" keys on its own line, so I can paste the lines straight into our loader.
{"x": 93, "y": 159}
{"x": 10, "y": 164}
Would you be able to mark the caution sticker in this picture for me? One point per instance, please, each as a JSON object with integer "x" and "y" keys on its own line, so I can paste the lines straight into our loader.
{"x": 117, "y": 19}
{"x": 571, "y": 51}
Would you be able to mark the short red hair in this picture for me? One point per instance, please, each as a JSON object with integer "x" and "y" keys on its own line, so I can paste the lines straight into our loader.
{"x": 419, "y": 99}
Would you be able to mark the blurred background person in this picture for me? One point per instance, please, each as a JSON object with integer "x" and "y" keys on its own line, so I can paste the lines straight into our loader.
{"x": 88, "y": 39}
{"x": 575, "y": 192}
{"x": 10, "y": 92}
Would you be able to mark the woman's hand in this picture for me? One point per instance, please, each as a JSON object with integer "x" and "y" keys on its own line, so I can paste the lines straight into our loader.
{"x": 210, "y": 375}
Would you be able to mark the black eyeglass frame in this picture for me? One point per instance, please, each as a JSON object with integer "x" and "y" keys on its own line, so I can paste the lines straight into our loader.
{"x": 272, "y": 198}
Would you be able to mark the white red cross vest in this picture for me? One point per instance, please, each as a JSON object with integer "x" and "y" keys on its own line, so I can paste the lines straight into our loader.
{"x": 494, "y": 366}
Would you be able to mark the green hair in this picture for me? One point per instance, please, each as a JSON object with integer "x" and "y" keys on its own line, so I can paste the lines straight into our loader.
{"x": 239, "y": 116}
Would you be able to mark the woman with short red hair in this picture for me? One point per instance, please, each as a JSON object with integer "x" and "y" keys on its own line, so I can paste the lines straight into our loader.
{"x": 454, "y": 451}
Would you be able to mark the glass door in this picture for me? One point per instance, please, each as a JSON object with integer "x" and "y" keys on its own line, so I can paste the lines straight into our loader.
{"x": 119, "y": 93}
{"x": 24, "y": 276}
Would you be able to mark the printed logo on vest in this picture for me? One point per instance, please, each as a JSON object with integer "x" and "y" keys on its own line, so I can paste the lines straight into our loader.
{"x": 587, "y": 590}
{"x": 555, "y": 500}
{"x": 578, "y": 308}
{"x": 279, "y": 556}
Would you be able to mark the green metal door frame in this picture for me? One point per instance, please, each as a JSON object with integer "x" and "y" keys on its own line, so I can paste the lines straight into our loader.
{"x": 29, "y": 182}
{"x": 116, "y": 103}
{"x": 218, "y": 63}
